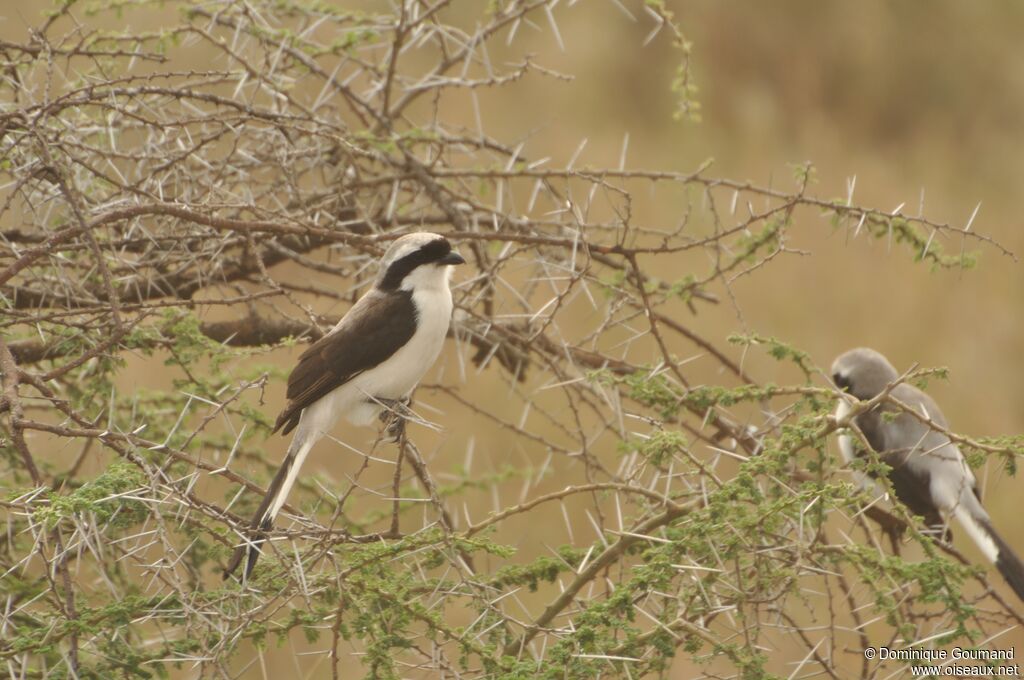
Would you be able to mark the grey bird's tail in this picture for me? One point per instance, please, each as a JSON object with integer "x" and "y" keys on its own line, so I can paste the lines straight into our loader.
{"x": 277, "y": 492}
{"x": 978, "y": 524}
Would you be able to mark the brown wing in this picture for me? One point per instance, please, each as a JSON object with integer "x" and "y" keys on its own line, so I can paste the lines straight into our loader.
{"x": 374, "y": 329}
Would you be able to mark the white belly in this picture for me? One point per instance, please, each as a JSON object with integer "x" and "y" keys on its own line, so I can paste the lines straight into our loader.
{"x": 396, "y": 377}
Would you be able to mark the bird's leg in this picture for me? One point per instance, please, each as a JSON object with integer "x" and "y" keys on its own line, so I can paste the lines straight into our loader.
{"x": 895, "y": 535}
{"x": 394, "y": 415}
{"x": 938, "y": 529}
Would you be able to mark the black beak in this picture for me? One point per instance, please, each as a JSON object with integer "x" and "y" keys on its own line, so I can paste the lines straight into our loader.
{"x": 452, "y": 258}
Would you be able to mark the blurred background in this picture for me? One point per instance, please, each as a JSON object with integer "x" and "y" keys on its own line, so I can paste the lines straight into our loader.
{"x": 922, "y": 102}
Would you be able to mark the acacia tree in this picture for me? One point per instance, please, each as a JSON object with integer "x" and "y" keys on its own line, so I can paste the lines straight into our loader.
{"x": 159, "y": 213}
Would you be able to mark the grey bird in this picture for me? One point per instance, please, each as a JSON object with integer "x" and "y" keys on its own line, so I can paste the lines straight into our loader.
{"x": 371, "y": 360}
{"x": 928, "y": 473}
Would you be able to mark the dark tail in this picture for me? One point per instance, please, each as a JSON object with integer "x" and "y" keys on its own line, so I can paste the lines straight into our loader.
{"x": 1008, "y": 563}
{"x": 261, "y": 522}
{"x": 979, "y": 527}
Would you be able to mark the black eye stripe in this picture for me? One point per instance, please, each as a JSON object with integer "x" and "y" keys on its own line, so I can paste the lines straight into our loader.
{"x": 840, "y": 380}
{"x": 403, "y": 266}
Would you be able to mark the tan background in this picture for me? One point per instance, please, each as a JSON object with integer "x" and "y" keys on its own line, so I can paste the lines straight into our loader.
{"x": 909, "y": 97}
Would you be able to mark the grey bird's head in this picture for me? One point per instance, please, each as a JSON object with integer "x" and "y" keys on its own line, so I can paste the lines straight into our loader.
{"x": 417, "y": 260}
{"x": 862, "y": 372}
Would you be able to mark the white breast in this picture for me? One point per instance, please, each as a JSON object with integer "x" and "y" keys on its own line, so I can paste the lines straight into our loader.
{"x": 848, "y": 450}
{"x": 845, "y": 441}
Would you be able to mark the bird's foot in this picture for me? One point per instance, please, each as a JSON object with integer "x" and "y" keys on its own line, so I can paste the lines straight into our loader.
{"x": 394, "y": 415}
{"x": 895, "y": 534}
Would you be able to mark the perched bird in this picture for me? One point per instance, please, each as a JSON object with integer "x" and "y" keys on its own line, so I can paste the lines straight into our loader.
{"x": 928, "y": 473}
{"x": 371, "y": 360}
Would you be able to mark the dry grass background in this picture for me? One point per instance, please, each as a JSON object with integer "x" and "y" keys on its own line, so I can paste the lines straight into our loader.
{"x": 915, "y": 99}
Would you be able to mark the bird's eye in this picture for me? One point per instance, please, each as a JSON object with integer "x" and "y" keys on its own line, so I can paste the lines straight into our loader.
{"x": 841, "y": 382}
